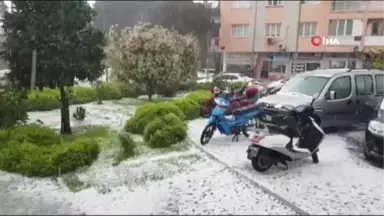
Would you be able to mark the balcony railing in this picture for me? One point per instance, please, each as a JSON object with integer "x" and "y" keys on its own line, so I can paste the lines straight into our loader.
{"x": 374, "y": 6}
{"x": 357, "y": 6}
{"x": 338, "y": 6}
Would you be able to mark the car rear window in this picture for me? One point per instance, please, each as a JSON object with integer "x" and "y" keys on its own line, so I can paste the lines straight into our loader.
{"x": 379, "y": 84}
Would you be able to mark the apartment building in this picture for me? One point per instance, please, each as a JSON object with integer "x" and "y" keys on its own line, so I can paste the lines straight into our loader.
{"x": 277, "y": 36}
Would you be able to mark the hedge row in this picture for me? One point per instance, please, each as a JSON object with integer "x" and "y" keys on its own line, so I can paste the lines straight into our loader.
{"x": 37, "y": 151}
{"x": 49, "y": 99}
{"x": 162, "y": 124}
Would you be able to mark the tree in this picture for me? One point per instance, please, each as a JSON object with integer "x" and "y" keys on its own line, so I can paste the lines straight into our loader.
{"x": 67, "y": 46}
{"x": 151, "y": 55}
{"x": 122, "y": 13}
{"x": 186, "y": 17}
{"x": 377, "y": 58}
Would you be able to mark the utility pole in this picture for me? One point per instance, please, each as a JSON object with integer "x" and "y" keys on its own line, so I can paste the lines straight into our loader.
{"x": 253, "y": 63}
{"x": 296, "y": 54}
{"x": 33, "y": 72}
{"x": 33, "y": 66}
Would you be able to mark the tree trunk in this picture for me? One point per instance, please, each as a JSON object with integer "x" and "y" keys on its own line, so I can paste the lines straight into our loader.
{"x": 65, "y": 120}
{"x": 149, "y": 92}
{"x": 203, "y": 50}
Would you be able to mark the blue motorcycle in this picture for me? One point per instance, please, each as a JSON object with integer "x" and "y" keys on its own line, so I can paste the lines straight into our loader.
{"x": 227, "y": 126}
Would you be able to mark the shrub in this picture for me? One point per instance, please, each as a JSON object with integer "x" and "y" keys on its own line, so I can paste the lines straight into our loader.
{"x": 147, "y": 112}
{"x": 127, "y": 143}
{"x": 47, "y": 99}
{"x": 71, "y": 156}
{"x": 34, "y": 134}
{"x": 131, "y": 90}
{"x": 79, "y": 114}
{"x": 168, "y": 91}
{"x": 108, "y": 91}
{"x": 199, "y": 96}
{"x": 81, "y": 95}
{"x": 12, "y": 108}
{"x": 30, "y": 152}
{"x": 190, "y": 108}
{"x": 165, "y": 131}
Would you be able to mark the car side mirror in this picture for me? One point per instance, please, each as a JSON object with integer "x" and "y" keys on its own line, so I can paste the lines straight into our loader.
{"x": 332, "y": 95}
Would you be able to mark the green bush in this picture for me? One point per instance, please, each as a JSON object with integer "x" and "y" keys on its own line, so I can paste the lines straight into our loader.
{"x": 12, "y": 108}
{"x": 47, "y": 99}
{"x": 165, "y": 131}
{"x": 131, "y": 90}
{"x": 71, "y": 156}
{"x": 147, "y": 112}
{"x": 190, "y": 108}
{"x": 199, "y": 96}
{"x": 127, "y": 143}
{"x": 34, "y": 134}
{"x": 38, "y": 151}
{"x": 81, "y": 95}
{"x": 108, "y": 91}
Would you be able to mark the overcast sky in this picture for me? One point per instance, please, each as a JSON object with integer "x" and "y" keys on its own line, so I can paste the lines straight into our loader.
{"x": 91, "y": 3}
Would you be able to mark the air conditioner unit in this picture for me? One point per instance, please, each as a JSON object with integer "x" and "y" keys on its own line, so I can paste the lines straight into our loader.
{"x": 270, "y": 41}
{"x": 281, "y": 46}
{"x": 357, "y": 48}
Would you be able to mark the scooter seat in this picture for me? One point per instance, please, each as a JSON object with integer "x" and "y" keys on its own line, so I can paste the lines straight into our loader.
{"x": 246, "y": 109}
{"x": 238, "y": 98}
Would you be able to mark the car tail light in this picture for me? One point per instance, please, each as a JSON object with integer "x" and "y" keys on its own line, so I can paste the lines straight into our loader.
{"x": 256, "y": 139}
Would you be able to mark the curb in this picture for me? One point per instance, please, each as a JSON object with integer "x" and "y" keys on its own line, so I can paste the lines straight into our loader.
{"x": 284, "y": 201}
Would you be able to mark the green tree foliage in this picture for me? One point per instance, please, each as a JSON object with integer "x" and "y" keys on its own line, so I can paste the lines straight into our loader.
{"x": 122, "y": 13}
{"x": 67, "y": 46}
{"x": 153, "y": 56}
{"x": 377, "y": 58}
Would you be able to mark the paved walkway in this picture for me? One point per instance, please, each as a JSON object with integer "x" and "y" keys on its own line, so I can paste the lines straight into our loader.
{"x": 342, "y": 183}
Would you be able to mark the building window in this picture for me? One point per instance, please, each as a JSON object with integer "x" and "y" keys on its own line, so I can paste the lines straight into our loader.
{"x": 241, "y": 4}
{"x": 340, "y": 27}
{"x": 312, "y": 66}
{"x": 307, "y": 29}
{"x": 377, "y": 27}
{"x": 309, "y": 2}
{"x": 338, "y": 64}
{"x": 273, "y": 30}
{"x": 345, "y": 5}
{"x": 240, "y": 30}
{"x": 275, "y": 2}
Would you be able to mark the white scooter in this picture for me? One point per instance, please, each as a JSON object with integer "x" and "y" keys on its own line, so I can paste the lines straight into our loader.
{"x": 270, "y": 149}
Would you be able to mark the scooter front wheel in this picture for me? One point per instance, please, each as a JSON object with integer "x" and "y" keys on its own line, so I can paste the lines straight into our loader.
{"x": 262, "y": 162}
{"x": 207, "y": 134}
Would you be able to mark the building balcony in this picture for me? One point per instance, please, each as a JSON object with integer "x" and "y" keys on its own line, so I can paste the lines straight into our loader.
{"x": 357, "y": 6}
{"x": 374, "y": 41}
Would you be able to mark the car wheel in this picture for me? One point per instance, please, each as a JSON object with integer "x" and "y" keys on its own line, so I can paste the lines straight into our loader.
{"x": 366, "y": 153}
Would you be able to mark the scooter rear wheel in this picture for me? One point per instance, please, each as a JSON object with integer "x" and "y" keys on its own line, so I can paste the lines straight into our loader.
{"x": 207, "y": 134}
{"x": 262, "y": 162}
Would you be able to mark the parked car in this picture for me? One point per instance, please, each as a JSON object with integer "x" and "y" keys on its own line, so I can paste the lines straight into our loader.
{"x": 205, "y": 73}
{"x": 374, "y": 134}
{"x": 3, "y": 74}
{"x": 339, "y": 94}
{"x": 233, "y": 77}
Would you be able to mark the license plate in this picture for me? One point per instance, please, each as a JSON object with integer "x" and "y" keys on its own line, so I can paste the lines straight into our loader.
{"x": 253, "y": 151}
{"x": 268, "y": 117}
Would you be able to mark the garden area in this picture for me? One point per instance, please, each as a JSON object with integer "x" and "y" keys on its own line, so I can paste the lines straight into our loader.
{"x": 114, "y": 146}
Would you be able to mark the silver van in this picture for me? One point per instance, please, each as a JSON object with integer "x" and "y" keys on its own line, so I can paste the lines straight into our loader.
{"x": 338, "y": 95}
